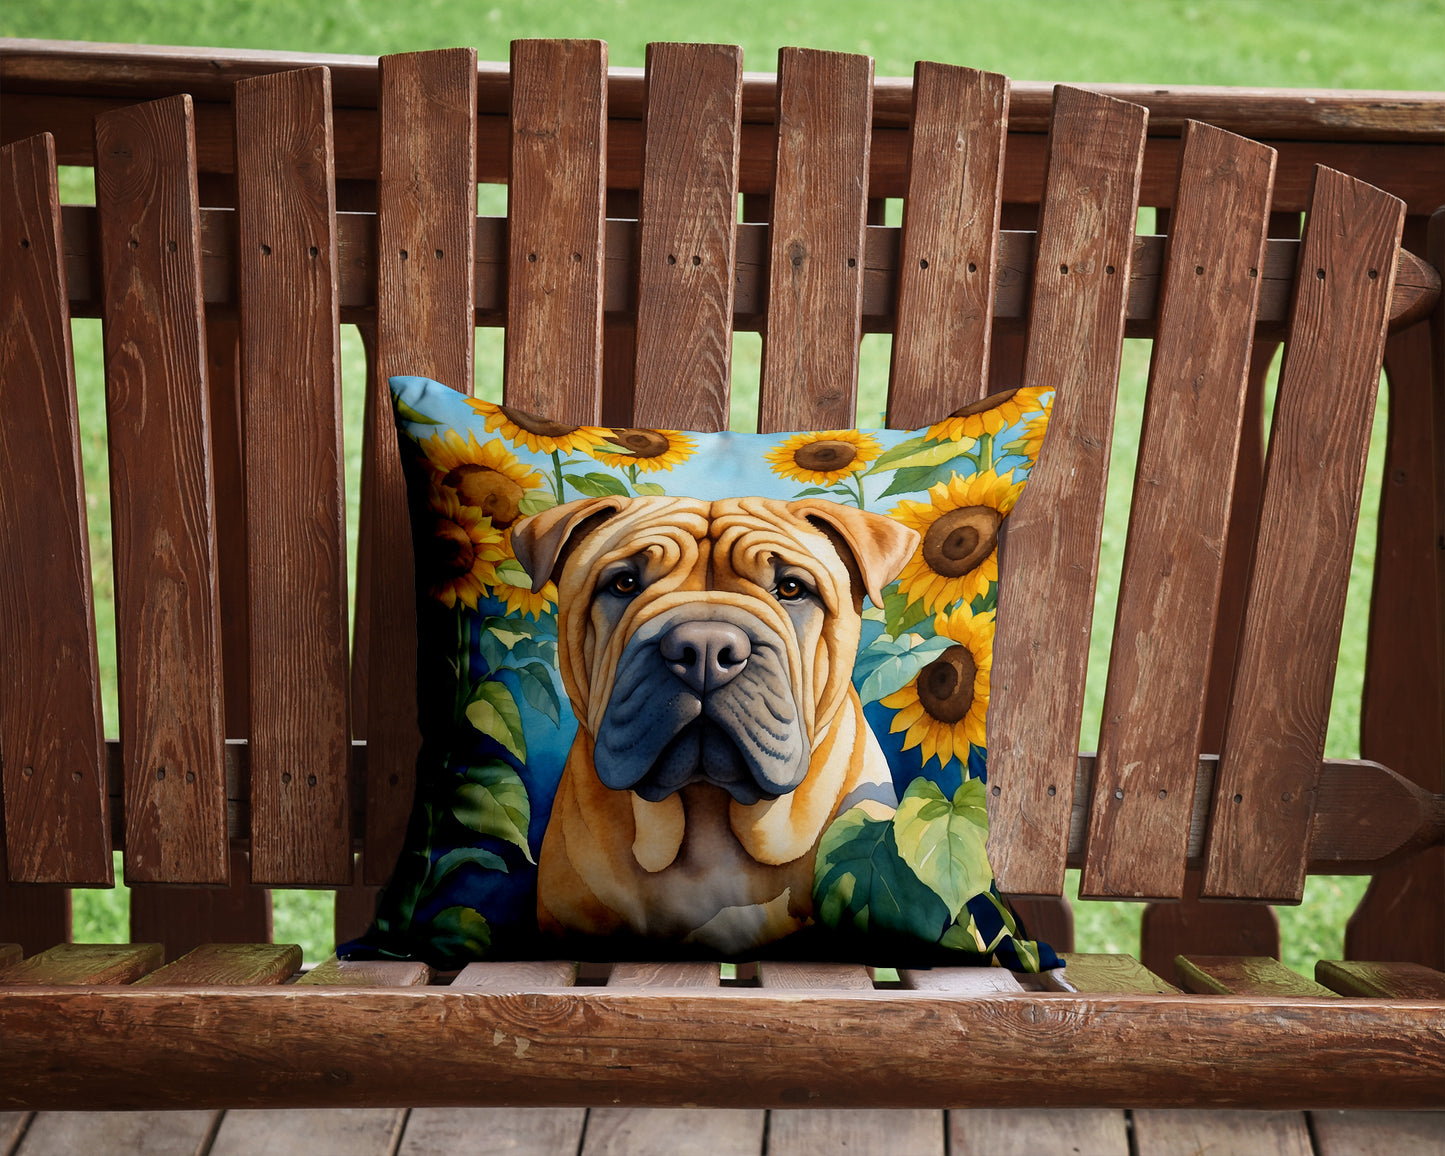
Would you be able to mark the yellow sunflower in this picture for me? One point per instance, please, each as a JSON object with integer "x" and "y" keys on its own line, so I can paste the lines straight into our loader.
{"x": 823, "y": 458}
{"x": 647, "y": 449}
{"x": 958, "y": 537}
{"x": 944, "y": 707}
{"x": 1032, "y": 439}
{"x": 538, "y": 434}
{"x": 993, "y": 413}
{"x": 461, "y": 551}
{"x": 483, "y": 475}
{"x": 520, "y": 599}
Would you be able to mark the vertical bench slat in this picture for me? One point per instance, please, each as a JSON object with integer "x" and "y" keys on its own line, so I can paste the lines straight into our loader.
{"x": 34, "y": 915}
{"x": 555, "y": 207}
{"x": 286, "y": 218}
{"x": 1159, "y": 663}
{"x": 56, "y": 818}
{"x": 1275, "y": 733}
{"x": 687, "y": 236}
{"x": 168, "y": 641}
{"x": 815, "y": 263}
{"x": 426, "y": 225}
{"x": 947, "y": 265}
{"x": 183, "y": 918}
{"x": 1075, "y": 340}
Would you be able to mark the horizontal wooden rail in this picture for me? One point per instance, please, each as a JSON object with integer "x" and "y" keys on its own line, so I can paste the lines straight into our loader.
{"x": 1417, "y": 284}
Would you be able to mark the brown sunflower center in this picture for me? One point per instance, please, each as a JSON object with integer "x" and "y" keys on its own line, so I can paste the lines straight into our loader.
{"x": 825, "y": 455}
{"x": 945, "y": 685}
{"x": 453, "y": 553}
{"x": 537, "y": 425}
{"x": 490, "y": 491}
{"x": 988, "y": 403}
{"x": 960, "y": 539}
{"x": 644, "y": 443}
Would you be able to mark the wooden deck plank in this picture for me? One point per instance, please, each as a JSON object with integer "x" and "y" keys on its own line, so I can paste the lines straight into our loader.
{"x": 85, "y": 964}
{"x": 674, "y": 1132}
{"x": 335, "y": 972}
{"x": 118, "y": 1133}
{"x": 228, "y": 963}
{"x": 1186, "y": 1132}
{"x": 1384, "y": 980}
{"x": 57, "y": 822}
{"x": 1096, "y": 972}
{"x": 309, "y": 1132}
{"x": 516, "y": 1131}
{"x": 12, "y": 1127}
{"x": 1243, "y": 975}
{"x": 295, "y": 499}
{"x": 163, "y": 518}
{"x": 874, "y": 1132}
{"x": 1344, "y": 1133}
{"x": 1034, "y": 1131}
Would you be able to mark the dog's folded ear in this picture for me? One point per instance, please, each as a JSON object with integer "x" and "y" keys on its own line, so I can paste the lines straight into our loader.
{"x": 543, "y": 541}
{"x": 879, "y": 545}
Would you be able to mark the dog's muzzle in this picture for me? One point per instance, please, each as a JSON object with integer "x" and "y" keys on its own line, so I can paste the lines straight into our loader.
{"x": 702, "y": 694}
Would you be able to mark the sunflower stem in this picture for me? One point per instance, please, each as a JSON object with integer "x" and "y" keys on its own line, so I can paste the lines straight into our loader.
{"x": 858, "y": 481}
{"x": 557, "y": 466}
{"x": 985, "y": 444}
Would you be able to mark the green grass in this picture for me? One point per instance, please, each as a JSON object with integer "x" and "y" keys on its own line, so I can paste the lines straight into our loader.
{"x": 1396, "y": 44}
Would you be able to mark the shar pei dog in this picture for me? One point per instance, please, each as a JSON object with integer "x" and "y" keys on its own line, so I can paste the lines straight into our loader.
{"x": 707, "y": 650}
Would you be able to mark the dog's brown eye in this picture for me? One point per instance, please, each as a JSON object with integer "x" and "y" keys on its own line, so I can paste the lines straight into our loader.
{"x": 624, "y": 583}
{"x": 790, "y": 589}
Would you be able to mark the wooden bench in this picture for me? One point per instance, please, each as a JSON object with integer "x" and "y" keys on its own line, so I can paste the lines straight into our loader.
{"x": 245, "y": 207}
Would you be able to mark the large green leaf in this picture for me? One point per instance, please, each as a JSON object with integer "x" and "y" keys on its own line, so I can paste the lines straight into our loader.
{"x": 860, "y": 879}
{"x": 896, "y": 671}
{"x": 537, "y": 688}
{"x": 900, "y": 613}
{"x": 510, "y": 630}
{"x": 535, "y": 501}
{"x": 460, "y": 932}
{"x": 650, "y": 489}
{"x": 494, "y": 801}
{"x": 943, "y": 841}
{"x": 513, "y": 573}
{"x": 462, "y": 857}
{"x": 912, "y": 479}
{"x": 928, "y": 454}
{"x": 493, "y": 711}
{"x": 890, "y": 459}
{"x": 406, "y": 413}
{"x": 597, "y": 485}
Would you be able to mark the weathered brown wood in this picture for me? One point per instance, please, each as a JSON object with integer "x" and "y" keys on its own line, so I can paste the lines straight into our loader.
{"x": 1153, "y": 713}
{"x": 300, "y": 822}
{"x": 1242, "y": 975}
{"x": 523, "y": 975}
{"x": 674, "y": 1132}
{"x": 168, "y": 633}
{"x": 687, "y": 236}
{"x": 555, "y": 205}
{"x": 10, "y": 953}
{"x": 355, "y": 905}
{"x": 816, "y": 260}
{"x": 918, "y": 1132}
{"x": 355, "y": 1131}
{"x": 1275, "y": 732}
{"x": 1093, "y": 972}
{"x": 1383, "y": 980}
{"x": 13, "y": 1125}
{"x": 1081, "y": 276}
{"x": 1183, "y": 1132}
{"x": 34, "y": 915}
{"x": 84, "y": 964}
{"x": 960, "y": 980}
{"x": 335, "y": 972}
{"x": 1188, "y": 925}
{"x": 56, "y": 818}
{"x": 947, "y": 267}
{"x": 1030, "y": 1131}
{"x": 118, "y": 1133}
{"x": 519, "y": 1131}
{"x": 1378, "y": 1133}
{"x": 228, "y": 963}
{"x": 785, "y": 975}
{"x": 183, "y": 918}
{"x": 664, "y": 975}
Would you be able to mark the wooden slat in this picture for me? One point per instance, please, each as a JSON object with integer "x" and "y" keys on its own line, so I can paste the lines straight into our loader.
{"x": 1184, "y": 1132}
{"x": 1279, "y": 709}
{"x": 119, "y": 1133}
{"x": 516, "y": 1131}
{"x": 947, "y": 267}
{"x": 335, "y": 972}
{"x": 816, "y": 259}
{"x": 355, "y": 905}
{"x": 1383, "y": 980}
{"x": 1081, "y": 275}
{"x": 1243, "y": 975}
{"x": 555, "y": 205}
{"x": 33, "y": 915}
{"x": 1378, "y": 1133}
{"x": 960, "y": 980}
{"x": 517, "y": 976}
{"x": 183, "y": 918}
{"x": 664, "y": 975}
{"x": 168, "y": 632}
{"x": 1031, "y": 1131}
{"x": 228, "y": 963}
{"x": 56, "y": 819}
{"x": 353, "y": 1131}
{"x": 785, "y": 975}
{"x": 1153, "y": 712}
{"x": 9, "y": 953}
{"x": 687, "y": 236}
{"x": 910, "y": 1131}
{"x": 674, "y": 1132}
{"x": 85, "y": 963}
{"x": 1097, "y": 972}
{"x": 426, "y": 216}
{"x": 295, "y": 502}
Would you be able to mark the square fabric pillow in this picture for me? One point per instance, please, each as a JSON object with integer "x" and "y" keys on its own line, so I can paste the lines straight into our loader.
{"x": 691, "y": 695}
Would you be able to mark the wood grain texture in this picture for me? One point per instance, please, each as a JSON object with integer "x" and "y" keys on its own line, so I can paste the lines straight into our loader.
{"x": 816, "y": 255}
{"x": 674, "y": 1132}
{"x": 1279, "y": 709}
{"x": 34, "y": 915}
{"x": 1153, "y": 714}
{"x": 1242, "y": 975}
{"x": 168, "y": 632}
{"x": 335, "y": 972}
{"x": 10, "y": 953}
{"x": 785, "y": 975}
{"x": 85, "y": 963}
{"x": 523, "y": 975}
{"x": 669, "y": 975}
{"x": 1076, "y": 330}
{"x": 119, "y": 1133}
{"x": 897, "y": 1131}
{"x": 960, "y": 980}
{"x": 300, "y": 740}
{"x": 426, "y": 217}
{"x": 1378, "y": 1133}
{"x": 947, "y": 267}
{"x": 1382, "y": 980}
{"x": 56, "y": 818}
{"x": 517, "y": 1131}
{"x": 1096, "y": 972}
{"x": 1031, "y": 1131}
{"x": 1191, "y": 925}
{"x": 183, "y": 918}
{"x": 687, "y": 236}
{"x": 12, "y": 1126}
{"x": 228, "y": 963}
{"x": 555, "y": 206}
{"x": 1184, "y": 1132}
{"x": 354, "y": 1131}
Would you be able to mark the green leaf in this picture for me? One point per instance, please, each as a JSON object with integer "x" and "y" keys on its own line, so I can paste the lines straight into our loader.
{"x": 900, "y": 614}
{"x": 812, "y": 491}
{"x": 493, "y": 711}
{"x": 650, "y": 489}
{"x": 964, "y": 937}
{"x": 537, "y": 688}
{"x": 596, "y": 485}
{"x": 406, "y": 413}
{"x": 541, "y": 648}
{"x": 859, "y": 878}
{"x": 510, "y": 631}
{"x": 535, "y": 501}
{"x": 461, "y": 857}
{"x": 895, "y": 671}
{"x": 915, "y": 479}
{"x": 493, "y": 801}
{"x": 944, "y": 842}
{"x": 890, "y": 459}
{"x": 460, "y": 932}
{"x": 512, "y": 572}
{"x": 927, "y": 454}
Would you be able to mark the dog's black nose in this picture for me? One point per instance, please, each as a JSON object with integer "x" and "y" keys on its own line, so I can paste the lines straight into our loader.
{"x": 705, "y": 655}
